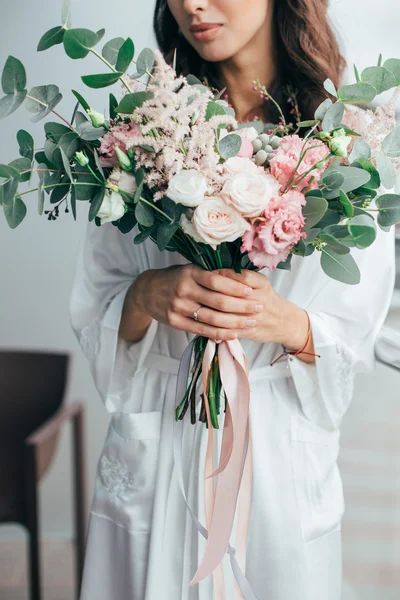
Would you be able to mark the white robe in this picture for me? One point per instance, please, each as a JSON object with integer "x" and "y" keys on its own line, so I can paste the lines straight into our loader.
{"x": 141, "y": 542}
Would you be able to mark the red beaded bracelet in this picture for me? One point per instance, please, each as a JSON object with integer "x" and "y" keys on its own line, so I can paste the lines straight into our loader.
{"x": 287, "y": 352}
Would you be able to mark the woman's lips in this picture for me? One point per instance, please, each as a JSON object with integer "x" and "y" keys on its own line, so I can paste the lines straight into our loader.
{"x": 205, "y": 32}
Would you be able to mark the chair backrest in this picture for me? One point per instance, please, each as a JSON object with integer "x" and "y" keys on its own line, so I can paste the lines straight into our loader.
{"x": 32, "y": 386}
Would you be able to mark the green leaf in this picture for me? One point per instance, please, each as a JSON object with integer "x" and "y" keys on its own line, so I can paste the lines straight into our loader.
{"x": 84, "y": 192}
{"x": 127, "y": 222}
{"x": 145, "y": 61}
{"x": 55, "y": 130}
{"x": 357, "y": 93}
{"x": 8, "y": 189}
{"x": 353, "y": 179}
{"x": 100, "y": 34}
{"x": 333, "y": 243}
{"x": 314, "y": 210}
{"x": 391, "y": 143}
{"x": 66, "y": 14}
{"x": 330, "y": 218}
{"x": 341, "y": 267}
{"x": 67, "y": 166}
{"x": 300, "y": 248}
{"x": 172, "y": 209}
{"x": 42, "y": 100}
{"x": 379, "y": 77}
{"x": 15, "y": 212}
{"x": 333, "y": 116}
{"x": 79, "y": 42}
{"x": 347, "y": 205}
{"x": 322, "y": 109}
{"x": 111, "y": 49}
{"x": 13, "y": 79}
{"x": 89, "y": 133}
{"x": 80, "y": 118}
{"x": 125, "y": 55}
{"x": 81, "y": 100}
{"x": 380, "y": 60}
{"x": 9, "y": 172}
{"x": 341, "y": 233}
{"x": 97, "y": 162}
{"x": 360, "y": 151}
{"x": 26, "y": 144}
{"x": 130, "y": 102}
{"x": 96, "y": 202}
{"x": 230, "y": 145}
{"x": 59, "y": 192}
{"x": 393, "y": 65}
{"x": 23, "y": 165}
{"x": 311, "y": 235}
{"x": 51, "y": 38}
{"x": 144, "y": 214}
{"x": 356, "y": 74}
{"x": 165, "y": 233}
{"x": 362, "y": 230}
{"x": 113, "y": 103}
{"x": 73, "y": 202}
{"x": 193, "y": 80}
{"x": 309, "y": 123}
{"x": 375, "y": 180}
{"x": 213, "y": 109}
{"x": 386, "y": 170}
{"x": 332, "y": 179}
{"x": 330, "y": 87}
{"x": 144, "y": 235}
{"x": 139, "y": 191}
{"x": 10, "y": 103}
{"x": 102, "y": 80}
{"x": 69, "y": 143}
{"x": 389, "y": 209}
{"x": 40, "y": 199}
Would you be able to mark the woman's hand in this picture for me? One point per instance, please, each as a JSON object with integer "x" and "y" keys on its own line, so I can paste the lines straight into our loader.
{"x": 172, "y": 295}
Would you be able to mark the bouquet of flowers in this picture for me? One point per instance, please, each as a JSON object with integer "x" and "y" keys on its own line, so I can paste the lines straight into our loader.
{"x": 170, "y": 159}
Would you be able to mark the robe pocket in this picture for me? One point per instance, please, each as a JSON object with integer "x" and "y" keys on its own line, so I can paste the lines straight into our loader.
{"x": 317, "y": 479}
{"x": 127, "y": 470}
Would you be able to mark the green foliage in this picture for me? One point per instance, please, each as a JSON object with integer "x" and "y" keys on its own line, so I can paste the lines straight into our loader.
{"x": 357, "y": 93}
{"x": 145, "y": 61}
{"x": 26, "y": 144}
{"x": 79, "y": 42}
{"x": 352, "y": 178}
{"x": 230, "y": 145}
{"x": 379, "y": 77}
{"x": 393, "y": 65}
{"x": 41, "y": 100}
{"x": 96, "y": 202}
{"x": 13, "y": 82}
{"x": 144, "y": 214}
{"x": 111, "y": 49}
{"x": 333, "y": 116}
{"x": 341, "y": 267}
{"x": 102, "y": 80}
{"x": 130, "y": 102}
{"x": 125, "y": 55}
{"x": 391, "y": 143}
{"x": 360, "y": 151}
{"x": 314, "y": 210}
{"x": 389, "y": 209}
{"x": 386, "y": 170}
{"x": 51, "y": 38}
{"x": 363, "y": 230}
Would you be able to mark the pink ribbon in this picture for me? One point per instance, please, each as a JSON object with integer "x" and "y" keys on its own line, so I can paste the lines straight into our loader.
{"x": 234, "y": 466}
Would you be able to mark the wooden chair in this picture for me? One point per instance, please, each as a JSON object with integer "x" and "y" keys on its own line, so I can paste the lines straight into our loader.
{"x": 32, "y": 415}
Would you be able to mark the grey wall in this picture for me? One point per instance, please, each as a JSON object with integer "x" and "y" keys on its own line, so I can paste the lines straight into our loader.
{"x": 38, "y": 258}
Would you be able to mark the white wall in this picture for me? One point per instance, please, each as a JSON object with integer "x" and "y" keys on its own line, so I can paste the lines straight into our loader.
{"x": 38, "y": 258}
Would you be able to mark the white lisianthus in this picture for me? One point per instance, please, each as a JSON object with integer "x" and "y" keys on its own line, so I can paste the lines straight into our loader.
{"x": 215, "y": 222}
{"x": 238, "y": 165}
{"x": 339, "y": 143}
{"x": 187, "y": 187}
{"x": 250, "y": 133}
{"x": 250, "y": 194}
{"x": 112, "y": 208}
{"x": 97, "y": 118}
{"x": 125, "y": 181}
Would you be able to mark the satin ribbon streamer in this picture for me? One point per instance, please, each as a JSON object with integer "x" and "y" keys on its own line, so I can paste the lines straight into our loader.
{"x": 234, "y": 469}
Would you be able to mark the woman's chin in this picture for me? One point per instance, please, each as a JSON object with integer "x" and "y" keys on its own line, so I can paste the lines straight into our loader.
{"x": 213, "y": 53}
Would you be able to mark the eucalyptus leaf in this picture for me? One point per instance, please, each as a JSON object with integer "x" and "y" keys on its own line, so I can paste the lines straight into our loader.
{"x": 42, "y": 99}
{"x": 100, "y": 34}
{"x": 79, "y": 42}
{"x": 67, "y": 166}
{"x": 165, "y": 233}
{"x": 331, "y": 217}
{"x": 145, "y": 61}
{"x": 96, "y": 202}
{"x": 386, "y": 170}
{"x": 80, "y": 118}
{"x": 213, "y": 109}
{"x": 379, "y": 77}
{"x": 391, "y": 143}
{"x": 15, "y": 211}
{"x": 127, "y": 222}
{"x": 102, "y": 80}
{"x": 59, "y": 192}
{"x": 347, "y": 205}
{"x": 144, "y": 214}
{"x": 393, "y": 65}
{"x": 330, "y": 87}
{"x": 13, "y": 78}
{"x": 144, "y": 235}
{"x": 357, "y": 93}
{"x": 333, "y": 243}
{"x": 322, "y": 109}
{"x": 230, "y": 145}
{"x": 73, "y": 202}
{"x": 89, "y": 133}
{"x": 312, "y": 234}
{"x": 10, "y": 103}
{"x": 81, "y": 100}
{"x": 66, "y": 14}
{"x": 361, "y": 151}
{"x": 24, "y": 167}
{"x": 26, "y": 144}
{"x": 309, "y": 123}
{"x": 125, "y": 55}
{"x": 8, "y": 189}
{"x": 341, "y": 233}
{"x": 314, "y": 210}
{"x": 111, "y": 50}
{"x": 51, "y": 38}
{"x": 69, "y": 143}
{"x": 332, "y": 179}
{"x": 286, "y": 265}
{"x": 356, "y": 73}
{"x": 83, "y": 177}
{"x": 362, "y": 230}
{"x": 55, "y": 130}
{"x": 353, "y": 179}
{"x": 97, "y": 162}
{"x": 9, "y": 172}
{"x": 374, "y": 181}
{"x": 130, "y": 102}
{"x": 300, "y": 248}
{"x": 389, "y": 209}
{"x": 341, "y": 267}
{"x": 333, "y": 116}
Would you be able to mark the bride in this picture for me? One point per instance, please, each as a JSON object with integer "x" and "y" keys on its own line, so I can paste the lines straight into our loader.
{"x": 132, "y": 310}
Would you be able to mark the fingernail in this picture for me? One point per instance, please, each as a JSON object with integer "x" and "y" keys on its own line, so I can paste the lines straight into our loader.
{"x": 251, "y": 322}
{"x": 248, "y": 291}
{"x": 259, "y": 308}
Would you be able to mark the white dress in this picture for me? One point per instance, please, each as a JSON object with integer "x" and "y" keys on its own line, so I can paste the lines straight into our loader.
{"x": 141, "y": 542}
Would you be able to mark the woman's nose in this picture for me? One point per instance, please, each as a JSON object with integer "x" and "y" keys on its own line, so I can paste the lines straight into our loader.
{"x": 194, "y": 6}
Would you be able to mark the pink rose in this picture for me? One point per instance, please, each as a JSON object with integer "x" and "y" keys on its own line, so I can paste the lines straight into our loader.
{"x": 273, "y": 235}
{"x": 246, "y": 149}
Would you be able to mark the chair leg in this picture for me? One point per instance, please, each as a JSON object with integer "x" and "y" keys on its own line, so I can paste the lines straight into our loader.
{"x": 32, "y": 522}
{"x": 79, "y": 495}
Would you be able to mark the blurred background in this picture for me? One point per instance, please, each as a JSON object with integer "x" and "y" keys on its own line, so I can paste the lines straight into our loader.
{"x": 38, "y": 262}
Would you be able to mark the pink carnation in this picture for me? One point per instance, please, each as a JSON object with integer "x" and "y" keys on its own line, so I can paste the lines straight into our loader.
{"x": 273, "y": 235}
{"x": 285, "y": 159}
{"x": 120, "y": 136}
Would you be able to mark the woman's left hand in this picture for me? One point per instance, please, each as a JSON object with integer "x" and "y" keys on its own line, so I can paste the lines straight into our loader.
{"x": 280, "y": 320}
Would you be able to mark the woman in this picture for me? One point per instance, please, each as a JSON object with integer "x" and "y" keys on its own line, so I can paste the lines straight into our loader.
{"x": 132, "y": 309}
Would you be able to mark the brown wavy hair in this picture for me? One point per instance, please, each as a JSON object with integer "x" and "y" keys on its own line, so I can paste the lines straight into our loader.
{"x": 307, "y": 48}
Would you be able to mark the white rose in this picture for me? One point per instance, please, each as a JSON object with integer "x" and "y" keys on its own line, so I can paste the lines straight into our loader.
{"x": 125, "y": 181}
{"x": 187, "y": 187}
{"x": 112, "y": 208}
{"x": 250, "y": 194}
{"x": 250, "y": 133}
{"x": 215, "y": 222}
{"x": 237, "y": 164}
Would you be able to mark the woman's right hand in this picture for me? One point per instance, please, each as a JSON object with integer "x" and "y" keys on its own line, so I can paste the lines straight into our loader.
{"x": 172, "y": 295}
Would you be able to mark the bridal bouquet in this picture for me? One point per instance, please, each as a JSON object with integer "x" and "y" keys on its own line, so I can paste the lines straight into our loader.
{"x": 169, "y": 159}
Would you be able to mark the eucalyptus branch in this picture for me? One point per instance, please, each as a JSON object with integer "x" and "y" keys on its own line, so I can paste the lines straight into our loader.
{"x": 54, "y": 112}
{"x": 109, "y": 65}
{"x": 54, "y": 185}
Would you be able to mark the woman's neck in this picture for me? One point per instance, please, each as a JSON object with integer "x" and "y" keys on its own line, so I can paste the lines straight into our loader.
{"x": 258, "y": 60}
